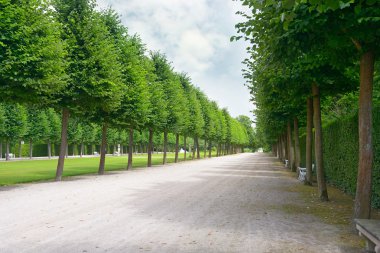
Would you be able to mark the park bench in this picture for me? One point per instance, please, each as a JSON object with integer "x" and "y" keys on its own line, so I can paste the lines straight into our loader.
{"x": 370, "y": 229}
{"x": 11, "y": 155}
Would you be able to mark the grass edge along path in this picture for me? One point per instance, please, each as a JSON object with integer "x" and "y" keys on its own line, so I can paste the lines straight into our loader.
{"x": 27, "y": 171}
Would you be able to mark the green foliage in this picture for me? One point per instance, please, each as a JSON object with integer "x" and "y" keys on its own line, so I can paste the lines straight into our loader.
{"x": 340, "y": 153}
{"x": 38, "y": 125}
{"x": 297, "y": 43}
{"x": 2, "y": 121}
{"x": 54, "y": 125}
{"x": 90, "y": 133}
{"x": 173, "y": 92}
{"x": 193, "y": 109}
{"x": 247, "y": 124}
{"x": 16, "y": 120}
{"x": 134, "y": 108}
{"x": 75, "y": 131}
{"x": 31, "y": 53}
{"x": 94, "y": 70}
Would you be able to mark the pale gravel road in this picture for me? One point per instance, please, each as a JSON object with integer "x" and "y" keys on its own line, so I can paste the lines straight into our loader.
{"x": 225, "y": 204}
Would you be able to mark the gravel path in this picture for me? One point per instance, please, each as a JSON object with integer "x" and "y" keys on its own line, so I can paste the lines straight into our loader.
{"x": 227, "y": 204}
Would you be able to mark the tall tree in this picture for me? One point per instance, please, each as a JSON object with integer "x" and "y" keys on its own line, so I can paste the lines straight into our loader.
{"x": 134, "y": 109}
{"x": 173, "y": 94}
{"x": 94, "y": 70}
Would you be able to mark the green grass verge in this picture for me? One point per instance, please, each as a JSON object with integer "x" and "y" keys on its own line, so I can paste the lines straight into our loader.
{"x": 25, "y": 171}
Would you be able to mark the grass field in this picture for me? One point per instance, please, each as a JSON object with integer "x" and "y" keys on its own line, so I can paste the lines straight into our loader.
{"x": 14, "y": 172}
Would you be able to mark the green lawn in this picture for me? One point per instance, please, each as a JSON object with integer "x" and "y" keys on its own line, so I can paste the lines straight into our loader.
{"x": 14, "y": 172}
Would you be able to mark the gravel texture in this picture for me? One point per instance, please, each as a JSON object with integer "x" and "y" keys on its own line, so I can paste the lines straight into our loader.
{"x": 227, "y": 204}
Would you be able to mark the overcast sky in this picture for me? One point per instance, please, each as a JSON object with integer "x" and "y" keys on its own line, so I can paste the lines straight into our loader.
{"x": 195, "y": 36}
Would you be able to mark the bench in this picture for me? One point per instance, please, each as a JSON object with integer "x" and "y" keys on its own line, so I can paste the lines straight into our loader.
{"x": 370, "y": 229}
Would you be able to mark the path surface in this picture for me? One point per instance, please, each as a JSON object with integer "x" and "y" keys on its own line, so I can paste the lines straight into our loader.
{"x": 226, "y": 204}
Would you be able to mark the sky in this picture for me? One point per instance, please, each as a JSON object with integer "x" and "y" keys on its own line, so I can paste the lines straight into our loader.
{"x": 195, "y": 37}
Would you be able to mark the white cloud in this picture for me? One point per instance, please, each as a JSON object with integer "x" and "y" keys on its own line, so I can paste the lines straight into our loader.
{"x": 195, "y": 37}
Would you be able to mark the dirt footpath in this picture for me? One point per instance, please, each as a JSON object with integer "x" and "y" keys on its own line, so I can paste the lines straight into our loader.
{"x": 228, "y": 204}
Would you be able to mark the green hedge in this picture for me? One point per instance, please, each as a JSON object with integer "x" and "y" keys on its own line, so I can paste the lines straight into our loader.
{"x": 340, "y": 154}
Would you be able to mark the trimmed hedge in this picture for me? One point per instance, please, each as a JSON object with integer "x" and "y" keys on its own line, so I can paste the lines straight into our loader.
{"x": 340, "y": 154}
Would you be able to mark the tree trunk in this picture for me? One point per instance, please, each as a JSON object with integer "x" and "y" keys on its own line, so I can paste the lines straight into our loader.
{"x": 1, "y": 149}
{"x": 364, "y": 180}
{"x": 309, "y": 143}
{"x": 176, "y": 147}
{"x": 205, "y": 149}
{"x": 297, "y": 158}
{"x": 103, "y": 150}
{"x": 194, "y": 148}
{"x": 165, "y": 146}
{"x": 62, "y": 151}
{"x": 81, "y": 149}
{"x": 198, "y": 151}
{"x": 184, "y": 144}
{"x": 49, "y": 149}
{"x": 7, "y": 158}
{"x": 67, "y": 150}
{"x": 130, "y": 149}
{"x": 20, "y": 149}
{"x": 290, "y": 147}
{"x": 286, "y": 147}
{"x": 210, "y": 150}
{"x": 150, "y": 147}
{"x": 322, "y": 188}
{"x": 30, "y": 149}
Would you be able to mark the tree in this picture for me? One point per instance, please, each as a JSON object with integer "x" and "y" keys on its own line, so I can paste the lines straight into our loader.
{"x": 192, "y": 114}
{"x": 16, "y": 120}
{"x": 173, "y": 94}
{"x": 134, "y": 109}
{"x": 158, "y": 112}
{"x": 94, "y": 70}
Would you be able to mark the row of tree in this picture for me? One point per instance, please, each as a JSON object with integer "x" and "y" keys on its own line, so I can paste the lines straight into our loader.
{"x": 67, "y": 55}
{"x": 302, "y": 51}
{"x": 43, "y": 126}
